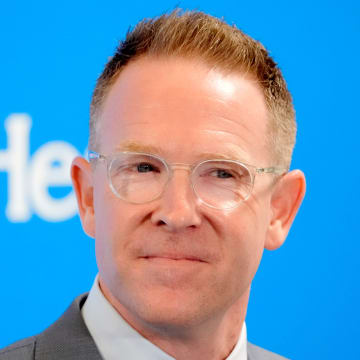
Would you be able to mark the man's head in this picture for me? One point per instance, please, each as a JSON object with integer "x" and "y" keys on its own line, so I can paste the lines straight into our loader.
{"x": 176, "y": 263}
{"x": 195, "y": 35}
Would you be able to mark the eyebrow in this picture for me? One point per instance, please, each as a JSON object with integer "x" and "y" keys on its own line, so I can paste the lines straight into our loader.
{"x": 134, "y": 146}
{"x": 137, "y": 147}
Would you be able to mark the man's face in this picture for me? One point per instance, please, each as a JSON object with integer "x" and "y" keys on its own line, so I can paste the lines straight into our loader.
{"x": 175, "y": 261}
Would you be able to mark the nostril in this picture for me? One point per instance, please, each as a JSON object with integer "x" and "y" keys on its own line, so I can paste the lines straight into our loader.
{"x": 161, "y": 223}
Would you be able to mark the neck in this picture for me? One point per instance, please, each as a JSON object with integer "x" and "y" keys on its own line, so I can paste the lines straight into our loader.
{"x": 213, "y": 339}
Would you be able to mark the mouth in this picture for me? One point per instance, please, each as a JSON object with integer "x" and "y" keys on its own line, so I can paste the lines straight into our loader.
{"x": 173, "y": 257}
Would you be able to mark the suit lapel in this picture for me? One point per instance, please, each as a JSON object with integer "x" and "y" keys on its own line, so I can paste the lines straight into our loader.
{"x": 68, "y": 338}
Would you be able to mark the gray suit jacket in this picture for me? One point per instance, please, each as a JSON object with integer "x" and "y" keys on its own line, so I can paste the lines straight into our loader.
{"x": 69, "y": 339}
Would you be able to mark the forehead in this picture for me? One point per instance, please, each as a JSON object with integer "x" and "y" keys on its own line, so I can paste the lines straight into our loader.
{"x": 184, "y": 108}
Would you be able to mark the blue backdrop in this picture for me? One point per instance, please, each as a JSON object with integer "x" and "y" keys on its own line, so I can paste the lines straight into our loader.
{"x": 305, "y": 297}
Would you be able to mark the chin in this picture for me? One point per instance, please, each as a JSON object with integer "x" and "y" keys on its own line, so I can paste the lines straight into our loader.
{"x": 173, "y": 309}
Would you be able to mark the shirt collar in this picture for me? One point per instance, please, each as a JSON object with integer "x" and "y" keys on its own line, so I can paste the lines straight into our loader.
{"x": 114, "y": 336}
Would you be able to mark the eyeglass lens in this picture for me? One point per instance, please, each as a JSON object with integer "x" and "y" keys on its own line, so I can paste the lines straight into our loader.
{"x": 139, "y": 178}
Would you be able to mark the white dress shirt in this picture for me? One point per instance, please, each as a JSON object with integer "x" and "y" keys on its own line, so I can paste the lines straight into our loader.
{"x": 116, "y": 339}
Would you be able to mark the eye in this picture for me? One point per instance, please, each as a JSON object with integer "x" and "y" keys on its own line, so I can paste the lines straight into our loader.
{"x": 146, "y": 167}
{"x": 222, "y": 174}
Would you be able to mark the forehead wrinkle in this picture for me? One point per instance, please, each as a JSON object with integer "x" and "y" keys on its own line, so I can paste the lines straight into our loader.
{"x": 236, "y": 123}
{"x": 237, "y": 151}
{"x": 227, "y": 155}
{"x": 246, "y": 134}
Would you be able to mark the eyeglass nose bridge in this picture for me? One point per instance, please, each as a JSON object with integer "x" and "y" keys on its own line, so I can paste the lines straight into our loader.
{"x": 180, "y": 166}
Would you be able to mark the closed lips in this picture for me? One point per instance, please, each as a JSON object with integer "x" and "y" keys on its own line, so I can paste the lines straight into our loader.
{"x": 173, "y": 257}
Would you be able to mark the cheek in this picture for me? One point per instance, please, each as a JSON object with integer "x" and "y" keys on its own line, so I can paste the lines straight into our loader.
{"x": 246, "y": 254}
{"x": 116, "y": 227}
{"x": 108, "y": 223}
{"x": 107, "y": 207}
{"x": 109, "y": 246}
{"x": 246, "y": 234}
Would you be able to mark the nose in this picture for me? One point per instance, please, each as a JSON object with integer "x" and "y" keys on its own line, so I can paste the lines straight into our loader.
{"x": 178, "y": 208}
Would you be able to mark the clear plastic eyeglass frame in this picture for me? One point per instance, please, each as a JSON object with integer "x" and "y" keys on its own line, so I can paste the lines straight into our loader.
{"x": 253, "y": 170}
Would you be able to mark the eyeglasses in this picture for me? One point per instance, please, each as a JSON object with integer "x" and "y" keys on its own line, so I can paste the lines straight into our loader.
{"x": 139, "y": 178}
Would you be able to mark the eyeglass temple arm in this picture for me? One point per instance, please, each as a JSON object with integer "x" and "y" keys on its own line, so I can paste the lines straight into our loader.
{"x": 271, "y": 170}
{"x": 93, "y": 155}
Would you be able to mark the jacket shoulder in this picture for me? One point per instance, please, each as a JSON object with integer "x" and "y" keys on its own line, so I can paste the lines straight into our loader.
{"x": 67, "y": 339}
{"x": 20, "y": 350}
{"x": 258, "y": 353}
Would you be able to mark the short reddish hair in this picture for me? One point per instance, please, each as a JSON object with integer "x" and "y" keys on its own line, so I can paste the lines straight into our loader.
{"x": 194, "y": 34}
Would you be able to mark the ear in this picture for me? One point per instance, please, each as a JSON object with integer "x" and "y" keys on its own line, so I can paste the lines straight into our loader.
{"x": 286, "y": 199}
{"x": 82, "y": 180}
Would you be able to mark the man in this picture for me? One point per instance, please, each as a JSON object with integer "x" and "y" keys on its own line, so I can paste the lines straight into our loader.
{"x": 179, "y": 217}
